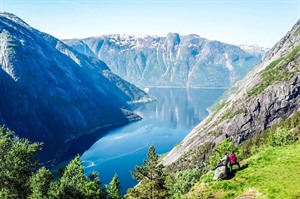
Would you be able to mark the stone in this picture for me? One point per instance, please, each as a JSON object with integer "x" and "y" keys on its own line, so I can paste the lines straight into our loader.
{"x": 221, "y": 173}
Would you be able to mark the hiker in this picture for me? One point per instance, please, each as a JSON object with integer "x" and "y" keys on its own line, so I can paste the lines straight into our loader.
{"x": 223, "y": 161}
{"x": 233, "y": 161}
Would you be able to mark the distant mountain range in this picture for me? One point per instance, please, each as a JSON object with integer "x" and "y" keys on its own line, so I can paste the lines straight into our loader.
{"x": 268, "y": 94}
{"x": 171, "y": 61}
{"x": 51, "y": 93}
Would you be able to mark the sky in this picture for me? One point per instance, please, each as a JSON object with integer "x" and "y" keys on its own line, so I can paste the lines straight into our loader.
{"x": 261, "y": 22}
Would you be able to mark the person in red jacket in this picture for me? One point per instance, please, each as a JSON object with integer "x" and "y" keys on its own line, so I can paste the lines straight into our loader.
{"x": 233, "y": 161}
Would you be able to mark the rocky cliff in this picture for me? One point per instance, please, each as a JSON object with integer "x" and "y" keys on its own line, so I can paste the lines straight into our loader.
{"x": 174, "y": 60}
{"x": 268, "y": 94}
{"x": 50, "y": 93}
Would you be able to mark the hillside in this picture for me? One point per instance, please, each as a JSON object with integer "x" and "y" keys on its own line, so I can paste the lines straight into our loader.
{"x": 171, "y": 61}
{"x": 50, "y": 93}
{"x": 268, "y": 94}
{"x": 270, "y": 173}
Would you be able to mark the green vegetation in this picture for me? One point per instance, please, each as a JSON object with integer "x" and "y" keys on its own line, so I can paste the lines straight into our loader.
{"x": 269, "y": 162}
{"x": 114, "y": 188}
{"x": 285, "y": 132}
{"x": 16, "y": 164}
{"x": 40, "y": 183}
{"x": 20, "y": 177}
{"x": 271, "y": 173}
{"x": 275, "y": 72}
{"x": 296, "y": 33}
{"x": 151, "y": 178}
{"x": 181, "y": 183}
{"x": 268, "y": 170}
{"x": 281, "y": 137}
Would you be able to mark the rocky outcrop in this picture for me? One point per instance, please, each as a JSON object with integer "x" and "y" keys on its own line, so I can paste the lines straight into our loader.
{"x": 268, "y": 94}
{"x": 51, "y": 93}
{"x": 174, "y": 60}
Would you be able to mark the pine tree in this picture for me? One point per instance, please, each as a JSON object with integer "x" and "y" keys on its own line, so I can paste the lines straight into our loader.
{"x": 93, "y": 188}
{"x": 16, "y": 164}
{"x": 74, "y": 184}
{"x": 40, "y": 184}
{"x": 113, "y": 189}
{"x": 151, "y": 179}
{"x": 19, "y": 179}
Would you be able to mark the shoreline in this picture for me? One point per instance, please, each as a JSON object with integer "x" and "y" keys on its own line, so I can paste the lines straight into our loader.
{"x": 188, "y": 87}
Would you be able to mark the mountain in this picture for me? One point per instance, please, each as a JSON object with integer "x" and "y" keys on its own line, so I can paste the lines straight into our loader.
{"x": 51, "y": 93}
{"x": 268, "y": 94}
{"x": 254, "y": 49}
{"x": 172, "y": 61}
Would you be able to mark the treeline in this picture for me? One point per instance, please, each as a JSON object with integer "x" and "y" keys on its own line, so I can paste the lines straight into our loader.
{"x": 21, "y": 178}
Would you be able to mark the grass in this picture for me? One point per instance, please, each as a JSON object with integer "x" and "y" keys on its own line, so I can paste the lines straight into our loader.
{"x": 268, "y": 172}
{"x": 272, "y": 173}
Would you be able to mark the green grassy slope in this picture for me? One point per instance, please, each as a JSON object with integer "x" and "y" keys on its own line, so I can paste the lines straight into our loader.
{"x": 271, "y": 173}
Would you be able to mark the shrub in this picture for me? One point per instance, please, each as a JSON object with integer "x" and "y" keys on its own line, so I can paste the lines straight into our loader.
{"x": 182, "y": 182}
{"x": 281, "y": 137}
{"x": 207, "y": 177}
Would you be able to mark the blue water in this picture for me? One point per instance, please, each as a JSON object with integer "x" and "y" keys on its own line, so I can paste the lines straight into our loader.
{"x": 165, "y": 123}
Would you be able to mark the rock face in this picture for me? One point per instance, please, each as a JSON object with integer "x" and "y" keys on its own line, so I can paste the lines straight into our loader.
{"x": 50, "y": 93}
{"x": 268, "y": 94}
{"x": 174, "y": 60}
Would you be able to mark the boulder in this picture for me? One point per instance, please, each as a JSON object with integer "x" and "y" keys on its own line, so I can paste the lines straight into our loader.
{"x": 221, "y": 173}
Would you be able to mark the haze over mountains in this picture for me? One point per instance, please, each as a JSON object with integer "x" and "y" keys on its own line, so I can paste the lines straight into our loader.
{"x": 171, "y": 61}
{"x": 50, "y": 93}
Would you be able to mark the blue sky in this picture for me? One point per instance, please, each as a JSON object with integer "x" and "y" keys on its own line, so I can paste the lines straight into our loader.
{"x": 261, "y": 22}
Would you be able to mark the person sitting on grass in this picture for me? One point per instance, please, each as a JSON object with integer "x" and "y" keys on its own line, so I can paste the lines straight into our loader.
{"x": 223, "y": 161}
{"x": 233, "y": 161}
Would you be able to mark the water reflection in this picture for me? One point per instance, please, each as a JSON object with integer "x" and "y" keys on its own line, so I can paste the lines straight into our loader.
{"x": 185, "y": 107}
{"x": 166, "y": 122}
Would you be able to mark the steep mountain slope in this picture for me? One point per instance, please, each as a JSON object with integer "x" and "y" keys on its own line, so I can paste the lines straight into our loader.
{"x": 268, "y": 94}
{"x": 174, "y": 60}
{"x": 51, "y": 93}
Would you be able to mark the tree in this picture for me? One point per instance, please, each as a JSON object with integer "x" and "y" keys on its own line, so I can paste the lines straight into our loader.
{"x": 16, "y": 164}
{"x": 113, "y": 189}
{"x": 20, "y": 179}
{"x": 40, "y": 184}
{"x": 74, "y": 184}
{"x": 93, "y": 187}
{"x": 151, "y": 179}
